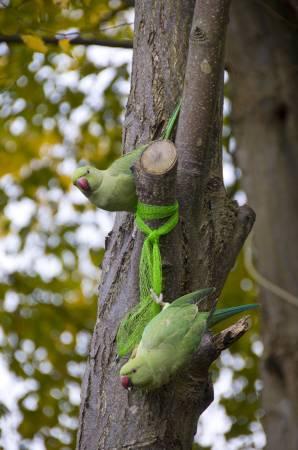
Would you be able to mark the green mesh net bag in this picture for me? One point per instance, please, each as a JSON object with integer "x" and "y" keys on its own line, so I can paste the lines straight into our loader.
{"x": 150, "y": 274}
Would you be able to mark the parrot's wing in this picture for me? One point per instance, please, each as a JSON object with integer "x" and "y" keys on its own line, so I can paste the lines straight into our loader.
{"x": 125, "y": 162}
{"x": 192, "y": 297}
{"x": 169, "y": 327}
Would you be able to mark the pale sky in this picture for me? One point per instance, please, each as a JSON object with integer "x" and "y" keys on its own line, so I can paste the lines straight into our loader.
{"x": 94, "y": 227}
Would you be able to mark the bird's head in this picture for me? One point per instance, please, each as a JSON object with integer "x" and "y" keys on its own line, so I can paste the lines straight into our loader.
{"x": 87, "y": 179}
{"x": 135, "y": 373}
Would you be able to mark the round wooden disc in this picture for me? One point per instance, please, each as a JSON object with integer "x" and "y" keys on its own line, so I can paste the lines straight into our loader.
{"x": 159, "y": 157}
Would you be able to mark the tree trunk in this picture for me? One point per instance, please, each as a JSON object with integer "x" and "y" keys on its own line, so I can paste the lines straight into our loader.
{"x": 198, "y": 253}
{"x": 263, "y": 63}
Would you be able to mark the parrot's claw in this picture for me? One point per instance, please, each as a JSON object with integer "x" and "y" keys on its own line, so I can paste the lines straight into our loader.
{"x": 158, "y": 299}
{"x": 134, "y": 231}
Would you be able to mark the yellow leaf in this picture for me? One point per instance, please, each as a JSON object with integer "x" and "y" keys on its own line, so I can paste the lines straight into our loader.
{"x": 34, "y": 42}
{"x": 65, "y": 181}
{"x": 3, "y": 61}
{"x": 62, "y": 3}
{"x": 64, "y": 44}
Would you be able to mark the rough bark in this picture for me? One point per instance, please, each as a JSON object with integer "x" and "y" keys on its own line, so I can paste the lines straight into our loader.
{"x": 263, "y": 63}
{"x": 198, "y": 253}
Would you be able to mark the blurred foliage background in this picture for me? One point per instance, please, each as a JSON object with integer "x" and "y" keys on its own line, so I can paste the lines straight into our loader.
{"x": 60, "y": 104}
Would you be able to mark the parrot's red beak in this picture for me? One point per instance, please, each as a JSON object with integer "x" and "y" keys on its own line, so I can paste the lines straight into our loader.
{"x": 83, "y": 184}
{"x": 125, "y": 381}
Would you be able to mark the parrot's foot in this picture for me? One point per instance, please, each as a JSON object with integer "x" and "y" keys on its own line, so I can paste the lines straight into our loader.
{"x": 158, "y": 299}
{"x": 134, "y": 231}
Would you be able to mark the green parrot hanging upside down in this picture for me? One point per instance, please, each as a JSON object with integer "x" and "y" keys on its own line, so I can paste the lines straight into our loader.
{"x": 170, "y": 339}
{"x": 114, "y": 189}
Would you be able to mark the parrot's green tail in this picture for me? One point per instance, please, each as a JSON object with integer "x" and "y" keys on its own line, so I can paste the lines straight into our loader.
{"x": 221, "y": 314}
{"x": 172, "y": 120}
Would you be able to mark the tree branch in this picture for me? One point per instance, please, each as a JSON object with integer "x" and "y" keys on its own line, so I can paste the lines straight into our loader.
{"x": 17, "y": 39}
{"x": 201, "y": 94}
{"x": 210, "y": 216}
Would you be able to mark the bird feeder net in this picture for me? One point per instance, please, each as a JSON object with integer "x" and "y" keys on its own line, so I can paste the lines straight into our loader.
{"x": 150, "y": 274}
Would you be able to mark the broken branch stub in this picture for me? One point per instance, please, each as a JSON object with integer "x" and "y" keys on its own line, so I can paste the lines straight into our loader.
{"x": 155, "y": 174}
{"x": 159, "y": 158}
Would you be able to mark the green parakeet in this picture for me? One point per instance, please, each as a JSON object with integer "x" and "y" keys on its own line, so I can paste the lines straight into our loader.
{"x": 114, "y": 189}
{"x": 169, "y": 340}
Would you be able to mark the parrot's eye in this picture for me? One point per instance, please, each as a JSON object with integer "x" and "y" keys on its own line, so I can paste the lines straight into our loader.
{"x": 134, "y": 370}
{"x": 88, "y": 171}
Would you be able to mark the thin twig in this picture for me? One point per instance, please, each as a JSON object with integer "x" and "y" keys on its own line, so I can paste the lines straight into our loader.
{"x": 119, "y": 25}
{"x": 263, "y": 281}
{"x": 16, "y": 39}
